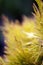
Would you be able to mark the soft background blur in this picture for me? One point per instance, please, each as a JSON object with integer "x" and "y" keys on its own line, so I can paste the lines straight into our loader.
{"x": 14, "y": 9}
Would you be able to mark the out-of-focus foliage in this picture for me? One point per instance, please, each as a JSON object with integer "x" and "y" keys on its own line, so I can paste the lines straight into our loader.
{"x": 39, "y": 17}
{"x": 24, "y": 42}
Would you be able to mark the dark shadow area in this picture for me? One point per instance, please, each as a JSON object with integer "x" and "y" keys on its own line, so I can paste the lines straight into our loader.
{"x": 2, "y": 44}
{"x": 14, "y": 9}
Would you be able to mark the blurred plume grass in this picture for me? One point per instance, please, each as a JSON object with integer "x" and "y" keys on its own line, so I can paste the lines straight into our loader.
{"x": 24, "y": 42}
